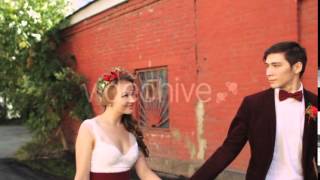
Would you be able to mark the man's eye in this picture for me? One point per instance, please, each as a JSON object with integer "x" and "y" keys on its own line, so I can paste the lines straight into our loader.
{"x": 276, "y": 65}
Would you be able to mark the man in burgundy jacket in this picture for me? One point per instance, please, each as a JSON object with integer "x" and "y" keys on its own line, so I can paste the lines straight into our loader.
{"x": 280, "y": 124}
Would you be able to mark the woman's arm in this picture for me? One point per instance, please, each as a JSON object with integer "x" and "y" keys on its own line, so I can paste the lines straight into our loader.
{"x": 84, "y": 146}
{"x": 143, "y": 171}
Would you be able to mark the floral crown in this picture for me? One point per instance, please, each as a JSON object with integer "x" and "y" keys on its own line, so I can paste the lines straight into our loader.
{"x": 108, "y": 78}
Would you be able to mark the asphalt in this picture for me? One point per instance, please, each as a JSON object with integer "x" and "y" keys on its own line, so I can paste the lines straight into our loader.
{"x": 10, "y": 169}
{"x": 11, "y": 139}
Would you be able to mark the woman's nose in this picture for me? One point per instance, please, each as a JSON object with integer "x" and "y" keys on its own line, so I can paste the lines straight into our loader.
{"x": 133, "y": 98}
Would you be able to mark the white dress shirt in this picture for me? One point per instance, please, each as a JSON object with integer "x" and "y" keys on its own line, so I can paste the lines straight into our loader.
{"x": 287, "y": 158}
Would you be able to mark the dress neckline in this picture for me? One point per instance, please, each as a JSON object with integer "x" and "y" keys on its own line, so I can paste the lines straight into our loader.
{"x": 112, "y": 144}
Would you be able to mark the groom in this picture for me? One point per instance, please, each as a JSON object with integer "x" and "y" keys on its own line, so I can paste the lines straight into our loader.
{"x": 279, "y": 124}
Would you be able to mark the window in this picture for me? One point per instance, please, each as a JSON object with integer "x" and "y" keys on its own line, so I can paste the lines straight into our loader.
{"x": 153, "y": 105}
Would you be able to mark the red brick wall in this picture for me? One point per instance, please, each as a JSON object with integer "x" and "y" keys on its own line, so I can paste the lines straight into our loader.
{"x": 232, "y": 37}
{"x": 138, "y": 35}
{"x": 308, "y": 35}
{"x": 215, "y": 42}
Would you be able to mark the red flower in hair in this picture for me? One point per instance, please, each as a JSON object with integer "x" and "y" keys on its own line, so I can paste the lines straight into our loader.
{"x": 110, "y": 77}
{"x": 114, "y": 75}
{"x": 106, "y": 77}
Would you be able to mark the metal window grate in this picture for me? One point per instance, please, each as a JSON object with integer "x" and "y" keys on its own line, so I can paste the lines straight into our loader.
{"x": 153, "y": 105}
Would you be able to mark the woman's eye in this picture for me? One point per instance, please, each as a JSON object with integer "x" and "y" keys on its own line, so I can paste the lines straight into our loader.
{"x": 130, "y": 94}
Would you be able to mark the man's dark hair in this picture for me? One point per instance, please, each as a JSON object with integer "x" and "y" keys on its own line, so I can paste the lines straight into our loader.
{"x": 293, "y": 53}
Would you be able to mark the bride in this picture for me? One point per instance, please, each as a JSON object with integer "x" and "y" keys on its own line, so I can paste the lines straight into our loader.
{"x": 110, "y": 144}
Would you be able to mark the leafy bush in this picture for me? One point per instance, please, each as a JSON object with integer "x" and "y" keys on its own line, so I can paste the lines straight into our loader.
{"x": 40, "y": 86}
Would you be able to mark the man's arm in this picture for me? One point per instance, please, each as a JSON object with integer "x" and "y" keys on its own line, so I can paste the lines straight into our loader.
{"x": 231, "y": 147}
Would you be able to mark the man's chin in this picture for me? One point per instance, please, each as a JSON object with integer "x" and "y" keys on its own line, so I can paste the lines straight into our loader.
{"x": 274, "y": 86}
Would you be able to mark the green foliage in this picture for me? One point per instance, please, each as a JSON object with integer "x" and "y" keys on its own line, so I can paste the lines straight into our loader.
{"x": 40, "y": 149}
{"x": 58, "y": 167}
{"x": 41, "y": 86}
{"x": 47, "y": 156}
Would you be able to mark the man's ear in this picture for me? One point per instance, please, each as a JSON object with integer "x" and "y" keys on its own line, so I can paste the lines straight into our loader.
{"x": 297, "y": 67}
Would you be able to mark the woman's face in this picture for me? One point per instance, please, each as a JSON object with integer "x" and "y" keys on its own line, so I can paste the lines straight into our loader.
{"x": 125, "y": 97}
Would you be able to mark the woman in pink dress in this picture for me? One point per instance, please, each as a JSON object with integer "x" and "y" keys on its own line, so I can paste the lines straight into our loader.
{"x": 110, "y": 144}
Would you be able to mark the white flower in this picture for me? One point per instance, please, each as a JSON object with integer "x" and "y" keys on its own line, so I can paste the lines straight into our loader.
{"x": 37, "y": 21}
{"x": 24, "y": 23}
{"x": 34, "y": 14}
{"x": 37, "y": 36}
{"x": 45, "y": 6}
{"x": 19, "y": 31}
{"x": 13, "y": 4}
{"x": 12, "y": 24}
{"x": 52, "y": 3}
{"x": 13, "y": 58}
{"x": 25, "y": 5}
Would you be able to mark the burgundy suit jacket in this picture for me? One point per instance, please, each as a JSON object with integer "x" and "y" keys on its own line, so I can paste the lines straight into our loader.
{"x": 255, "y": 122}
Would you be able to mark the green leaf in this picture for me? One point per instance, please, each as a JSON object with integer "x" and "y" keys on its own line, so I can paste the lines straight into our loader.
{"x": 39, "y": 85}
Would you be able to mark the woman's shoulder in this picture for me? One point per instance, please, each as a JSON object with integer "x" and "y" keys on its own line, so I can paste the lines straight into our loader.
{"x": 85, "y": 136}
{"x": 88, "y": 122}
{"x": 87, "y": 125}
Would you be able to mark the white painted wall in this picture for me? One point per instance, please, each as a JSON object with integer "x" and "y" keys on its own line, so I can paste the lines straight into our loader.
{"x": 92, "y": 9}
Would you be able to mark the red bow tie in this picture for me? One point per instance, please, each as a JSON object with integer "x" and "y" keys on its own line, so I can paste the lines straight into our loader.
{"x": 283, "y": 95}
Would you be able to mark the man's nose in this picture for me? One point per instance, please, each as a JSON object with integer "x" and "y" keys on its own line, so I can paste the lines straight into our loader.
{"x": 269, "y": 71}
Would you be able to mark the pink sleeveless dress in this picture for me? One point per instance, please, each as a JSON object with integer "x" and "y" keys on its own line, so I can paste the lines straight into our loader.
{"x": 107, "y": 162}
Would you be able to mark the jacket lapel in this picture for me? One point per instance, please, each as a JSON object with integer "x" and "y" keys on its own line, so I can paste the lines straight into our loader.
{"x": 271, "y": 122}
{"x": 308, "y": 126}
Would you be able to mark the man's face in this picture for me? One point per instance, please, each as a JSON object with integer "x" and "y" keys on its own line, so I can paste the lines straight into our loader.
{"x": 279, "y": 72}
